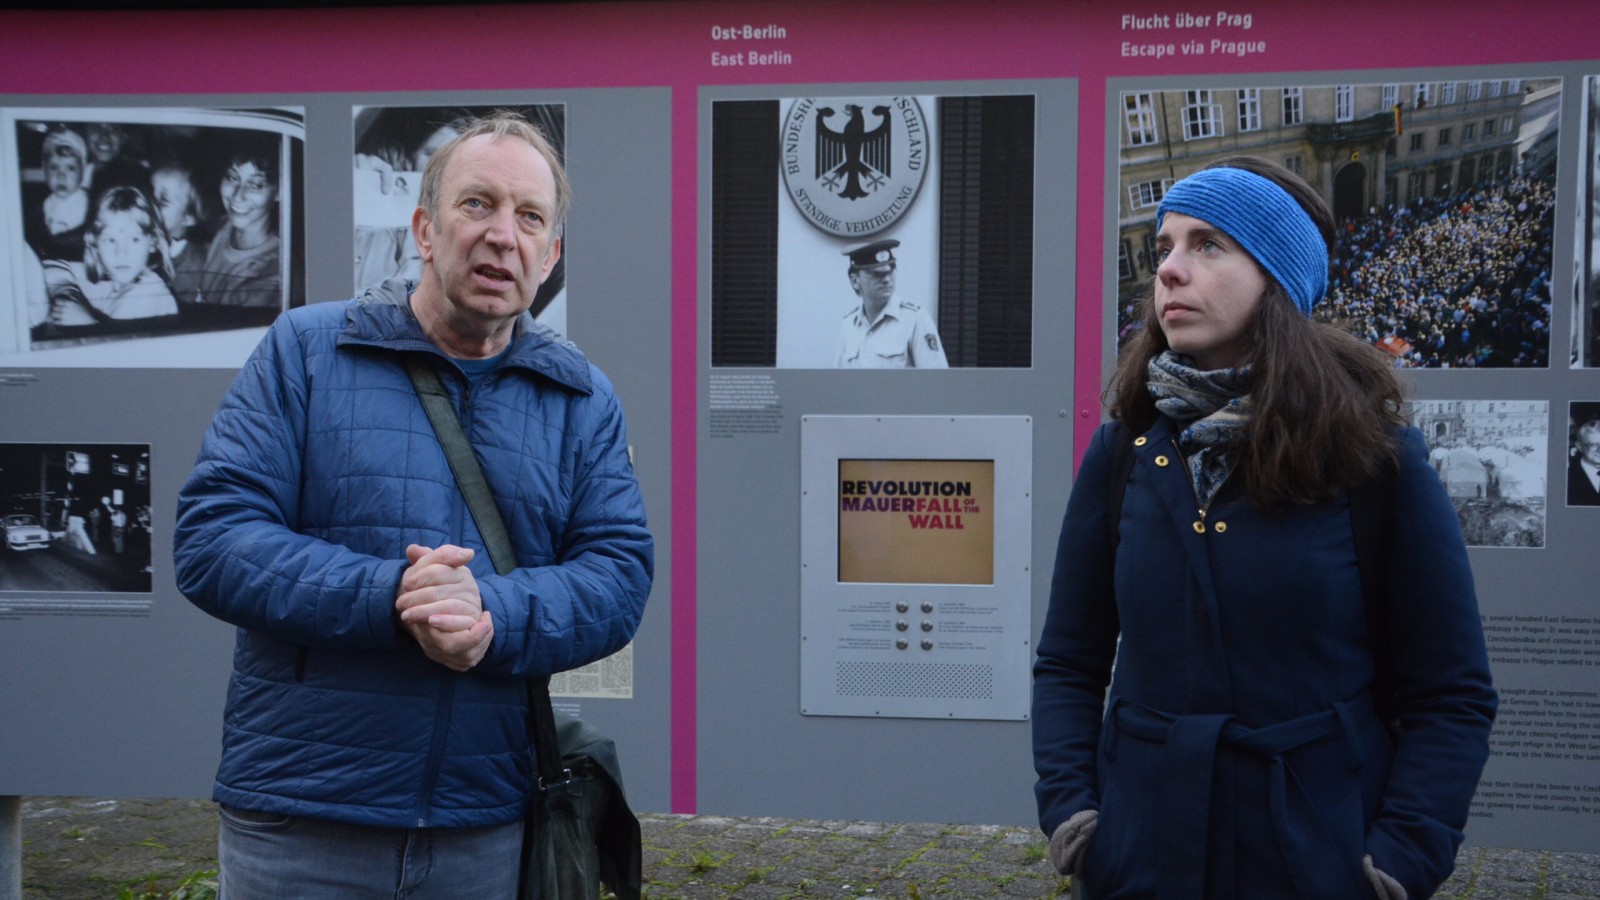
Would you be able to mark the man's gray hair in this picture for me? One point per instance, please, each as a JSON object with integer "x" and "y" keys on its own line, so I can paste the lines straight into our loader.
{"x": 498, "y": 124}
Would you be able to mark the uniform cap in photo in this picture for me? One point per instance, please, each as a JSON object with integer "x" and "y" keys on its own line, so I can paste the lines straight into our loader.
{"x": 876, "y": 253}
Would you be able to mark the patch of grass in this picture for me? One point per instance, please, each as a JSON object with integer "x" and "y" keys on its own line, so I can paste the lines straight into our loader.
{"x": 153, "y": 844}
{"x": 702, "y": 862}
{"x": 1033, "y": 853}
{"x": 200, "y": 885}
{"x": 73, "y": 833}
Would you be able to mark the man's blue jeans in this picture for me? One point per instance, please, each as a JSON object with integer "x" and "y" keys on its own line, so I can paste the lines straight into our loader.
{"x": 267, "y": 856}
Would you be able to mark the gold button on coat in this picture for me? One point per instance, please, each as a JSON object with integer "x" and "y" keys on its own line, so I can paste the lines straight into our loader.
{"x": 1220, "y": 527}
{"x": 1161, "y": 460}
{"x": 1140, "y": 441}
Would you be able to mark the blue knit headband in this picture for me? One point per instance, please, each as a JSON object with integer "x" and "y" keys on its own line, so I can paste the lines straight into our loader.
{"x": 1266, "y": 222}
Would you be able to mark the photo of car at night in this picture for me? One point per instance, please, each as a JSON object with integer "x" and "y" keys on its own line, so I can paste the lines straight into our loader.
{"x": 25, "y": 533}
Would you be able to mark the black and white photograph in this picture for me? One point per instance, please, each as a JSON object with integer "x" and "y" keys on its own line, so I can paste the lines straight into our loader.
{"x": 887, "y": 232}
{"x": 392, "y": 147}
{"x": 1443, "y": 193}
{"x": 1583, "y": 453}
{"x": 1586, "y": 293}
{"x": 149, "y": 237}
{"x": 1491, "y": 456}
{"x": 77, "y": 517}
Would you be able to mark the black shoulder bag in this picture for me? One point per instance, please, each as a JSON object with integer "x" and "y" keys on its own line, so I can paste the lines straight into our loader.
{"x": 578, "y": 830}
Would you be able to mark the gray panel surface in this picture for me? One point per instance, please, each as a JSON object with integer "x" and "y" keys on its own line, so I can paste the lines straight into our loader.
{"x": 757, "y": 754}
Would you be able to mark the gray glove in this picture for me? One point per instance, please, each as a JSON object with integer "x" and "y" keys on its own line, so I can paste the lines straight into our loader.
{"x": 1072, "y": 836}
{"x": 1387, "y": 888}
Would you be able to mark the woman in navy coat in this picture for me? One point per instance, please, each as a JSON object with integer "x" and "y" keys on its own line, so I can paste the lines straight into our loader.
{"x": 1271, "y": 730}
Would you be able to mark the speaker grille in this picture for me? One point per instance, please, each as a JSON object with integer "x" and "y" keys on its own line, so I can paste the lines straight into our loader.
{"x": 943, "y": 681}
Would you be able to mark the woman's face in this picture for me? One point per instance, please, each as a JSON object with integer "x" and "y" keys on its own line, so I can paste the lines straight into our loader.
{"x": 249, "y": 197}
{"x": 123, "y": 246}
{"x": 105, "y": 141}
{"x": 1207, "y": 291}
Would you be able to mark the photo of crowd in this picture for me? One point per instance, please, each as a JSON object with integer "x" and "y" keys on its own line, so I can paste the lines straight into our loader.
{"x": 1461, "y": 281}
{"x": 1491, "y": 456}
{"x": 1443, "y": 192}
{"x": 392, "y": 147}
{"x": 138, "y": 223}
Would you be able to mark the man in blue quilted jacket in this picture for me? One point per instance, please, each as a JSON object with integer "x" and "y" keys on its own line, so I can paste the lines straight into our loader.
{"x": 374, "y": 741}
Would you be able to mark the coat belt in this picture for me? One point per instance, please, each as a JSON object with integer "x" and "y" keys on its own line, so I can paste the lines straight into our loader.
{"x": 1193, "y": 741}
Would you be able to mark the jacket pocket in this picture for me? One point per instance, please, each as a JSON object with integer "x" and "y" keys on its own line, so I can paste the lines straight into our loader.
{"x": 1120, "y": 860}
{"x": 254, "y": 821}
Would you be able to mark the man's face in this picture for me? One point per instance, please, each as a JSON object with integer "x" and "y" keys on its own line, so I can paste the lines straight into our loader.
{"x": 874, "y": 284}
{"x": 1589, "y": 445}
{"x": 493, "y": 242}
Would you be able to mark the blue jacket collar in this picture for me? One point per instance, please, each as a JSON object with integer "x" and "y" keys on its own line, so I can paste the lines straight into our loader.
{"x": 382, "y": 317}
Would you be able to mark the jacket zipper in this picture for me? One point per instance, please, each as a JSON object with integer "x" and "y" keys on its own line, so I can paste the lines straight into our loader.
{"x": 1205, "y": 507}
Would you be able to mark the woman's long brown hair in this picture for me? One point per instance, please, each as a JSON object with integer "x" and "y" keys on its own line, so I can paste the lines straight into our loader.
{"x": 1324, "y": 405}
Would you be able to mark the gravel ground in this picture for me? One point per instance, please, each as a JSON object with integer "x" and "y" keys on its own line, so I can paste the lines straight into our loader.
{"x": 92, "y": 849}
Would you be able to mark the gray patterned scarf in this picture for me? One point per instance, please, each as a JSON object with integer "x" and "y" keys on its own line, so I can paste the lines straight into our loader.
{"x": 1213, "y": 408}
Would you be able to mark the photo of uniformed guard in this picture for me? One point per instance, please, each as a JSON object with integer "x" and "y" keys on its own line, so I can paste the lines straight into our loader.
{"x": 789, "y": 191}
{"x": 885, "y": 333}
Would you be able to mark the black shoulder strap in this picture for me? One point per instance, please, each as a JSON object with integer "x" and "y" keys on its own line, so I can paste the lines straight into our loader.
{"x": 1121, "y": 466}
{"x": 475, "y": 490}
{"x": 463, "y": 462}
{"x": 1369, "y": 522}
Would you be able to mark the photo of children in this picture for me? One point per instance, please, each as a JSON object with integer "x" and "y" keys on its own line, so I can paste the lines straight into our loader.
{"x": 57, "y": 222}
{"x": 150, "y": 224}
{"x": 125, "y": 273}
{"x": 183, "y": 208}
